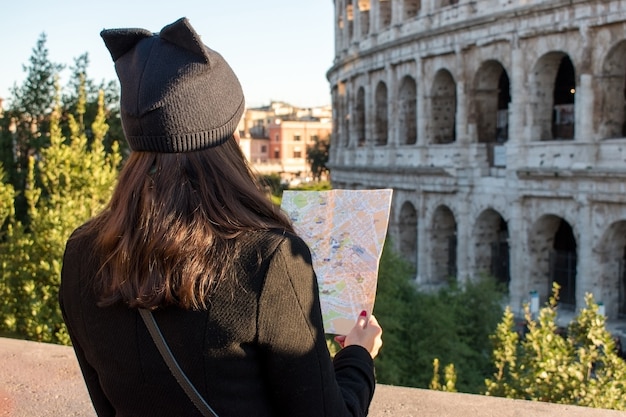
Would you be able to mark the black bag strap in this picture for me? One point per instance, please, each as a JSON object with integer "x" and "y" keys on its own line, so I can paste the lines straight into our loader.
{"x": 169, "y": 359}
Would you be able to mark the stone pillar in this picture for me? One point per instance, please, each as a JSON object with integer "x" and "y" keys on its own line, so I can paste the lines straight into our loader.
{"x": 374, "y": 17}
{"x": 397, "y": 12}
{"x": 336, "y": 133}
{"x": 518, "y": 258}
{"x": 423, "y": 244}
{"x": 519, "y": 95}
{"x": 356, "y": 17}
{"x": 461, "y": 113}
{"x": 464, "y": 240}
{"x": 349, "y": 106}
{"x": 422, "y": 96}
{"x": 583, "y": 129}
{"x": 351, "y": 90}
{"x": 585, "y": 275}
{"x": 428, "y": 6}
{"x": 392, "y": 106}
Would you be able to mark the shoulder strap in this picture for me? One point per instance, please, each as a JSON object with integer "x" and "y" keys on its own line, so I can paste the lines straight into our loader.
{"x": 169, "y": 359}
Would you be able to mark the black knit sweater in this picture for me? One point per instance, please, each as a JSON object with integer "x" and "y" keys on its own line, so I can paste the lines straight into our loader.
{"x": 259, "y": 349}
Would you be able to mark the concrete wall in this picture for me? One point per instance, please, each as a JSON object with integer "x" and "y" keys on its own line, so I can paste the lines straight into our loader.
{"x": 44, "y": 380}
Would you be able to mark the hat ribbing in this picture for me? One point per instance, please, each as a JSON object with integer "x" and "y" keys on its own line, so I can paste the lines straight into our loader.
{"x": 177, "y": 95}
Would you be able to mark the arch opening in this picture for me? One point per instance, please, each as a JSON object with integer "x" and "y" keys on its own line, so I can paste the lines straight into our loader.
{"x": 491, "y": 235}
{"x": 611, "y": 111}
{"x": 381, "y": 126}
{"x": 443, "y": 108}
{"x": 408, "y": 111}
{"x": 360, "y": 116}
{"x": 492, "y": 97}
{"x": 407, "y": 228}
{"x": 563, "y": 113}
{"x": 444, "y": 247}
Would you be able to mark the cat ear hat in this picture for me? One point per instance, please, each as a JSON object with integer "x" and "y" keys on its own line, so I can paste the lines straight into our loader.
{"x": 177, "y": 95}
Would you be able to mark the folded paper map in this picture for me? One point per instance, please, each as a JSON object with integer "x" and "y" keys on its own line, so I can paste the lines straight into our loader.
{"x": 345, "y": 231}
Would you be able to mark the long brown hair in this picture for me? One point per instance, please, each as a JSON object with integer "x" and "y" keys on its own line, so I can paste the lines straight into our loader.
{"x": 169, "y": 233}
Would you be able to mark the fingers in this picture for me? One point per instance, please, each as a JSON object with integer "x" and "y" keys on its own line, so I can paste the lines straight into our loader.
{"x": 341, "y": 340}
{"x": 361, "y": 321}
{"x": 373, "y": 321}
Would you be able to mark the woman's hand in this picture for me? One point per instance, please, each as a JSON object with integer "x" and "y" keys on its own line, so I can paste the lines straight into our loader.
{"x": 366, "y": 333}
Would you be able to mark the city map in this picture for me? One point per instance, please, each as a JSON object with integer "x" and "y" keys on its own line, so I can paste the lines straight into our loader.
{"x": 345, "y": 231}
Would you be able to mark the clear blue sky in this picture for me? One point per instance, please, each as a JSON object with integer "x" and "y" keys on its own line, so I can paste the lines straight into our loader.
{"x": 280, "y": 49}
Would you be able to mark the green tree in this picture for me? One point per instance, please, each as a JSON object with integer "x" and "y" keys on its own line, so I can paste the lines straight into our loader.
{"x": 580, "y": 367}
{"x": 317, "y": 157}
{"x": 70, "y": 182}
{"x": 452, "y": 325}
{"x": 25, "y": 130}
{"x": 81, "y": 98}
{"x": 7, "y": 194}
{"x": 395, "y": 298}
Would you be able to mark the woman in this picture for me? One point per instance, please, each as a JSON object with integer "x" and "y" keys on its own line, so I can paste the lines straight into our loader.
{"x": 189, "y": 235}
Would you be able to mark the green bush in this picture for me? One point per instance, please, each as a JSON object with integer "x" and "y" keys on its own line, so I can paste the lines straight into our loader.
{"x": 580, "y": 367}
{"x": 70, "y": 183}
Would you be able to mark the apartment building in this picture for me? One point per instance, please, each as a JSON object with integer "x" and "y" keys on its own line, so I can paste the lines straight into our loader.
{"x": 275, "y": 138}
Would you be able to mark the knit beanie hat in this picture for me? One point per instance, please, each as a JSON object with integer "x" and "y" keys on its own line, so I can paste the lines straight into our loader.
{"x": 177, "y": 95}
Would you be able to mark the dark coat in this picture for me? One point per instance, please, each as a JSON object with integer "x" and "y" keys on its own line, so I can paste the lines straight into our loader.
{"x": 258, "y": 350}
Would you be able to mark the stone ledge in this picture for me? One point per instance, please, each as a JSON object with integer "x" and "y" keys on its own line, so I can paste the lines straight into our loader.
{"x": 39, "y": 379}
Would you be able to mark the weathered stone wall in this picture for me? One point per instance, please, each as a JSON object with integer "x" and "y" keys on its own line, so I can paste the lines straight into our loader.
{"x": 505, "y": 137}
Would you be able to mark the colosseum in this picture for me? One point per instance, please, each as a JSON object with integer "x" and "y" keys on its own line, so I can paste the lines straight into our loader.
{"x": 501, "y": 127}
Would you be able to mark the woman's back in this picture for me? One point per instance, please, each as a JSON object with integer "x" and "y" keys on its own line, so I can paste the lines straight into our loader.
{"x": 257, "y": 350}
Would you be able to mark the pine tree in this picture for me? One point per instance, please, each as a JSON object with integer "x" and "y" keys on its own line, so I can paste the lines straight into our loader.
{"x": 25, "y": 130}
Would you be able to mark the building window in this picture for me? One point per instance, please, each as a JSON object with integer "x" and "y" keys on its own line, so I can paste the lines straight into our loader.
{"x": 277, "y": 138}
{"x": 276, "y": 154}
{"x": 296, "y": 138}
{"x": 297, "y": 154}
{"x": 263, "y": 148}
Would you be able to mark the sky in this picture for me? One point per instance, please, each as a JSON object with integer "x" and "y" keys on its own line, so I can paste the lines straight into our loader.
{"x": 279, "y": 49}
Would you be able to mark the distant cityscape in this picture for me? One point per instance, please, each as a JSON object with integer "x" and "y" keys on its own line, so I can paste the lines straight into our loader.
{"x": 274, "y": 138}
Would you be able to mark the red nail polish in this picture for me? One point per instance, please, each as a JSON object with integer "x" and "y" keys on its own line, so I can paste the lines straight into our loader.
{"x": 363, "y": 313}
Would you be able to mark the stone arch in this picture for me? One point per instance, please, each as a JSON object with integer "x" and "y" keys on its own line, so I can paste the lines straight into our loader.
{"x": 553, "y": 88}
{"x": 343, "y": 113}
{"x": 612, "y": 97}
{"x": 491, "y": 243}
{"x": 445, "y": 3}
{"x": 610, "y": 255}
{"x": 407, "y": 101}
{"x": 384, "y": 13}
{"x": 553, "y": 258}
{"x": 443, "y": 252}
{"x": 364, "y": 16}
{"x": 443, "y": 108}
{"x": 411, "y": 9}
{"x": 492, "y": 95}
{"x": 359, "y": 116}
{"x": 407, "y": 233}
{"x": 381, "y": 126}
